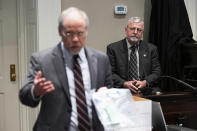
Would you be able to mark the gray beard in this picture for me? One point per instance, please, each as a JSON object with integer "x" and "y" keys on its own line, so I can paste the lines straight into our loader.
{"x": 134, "y": 39}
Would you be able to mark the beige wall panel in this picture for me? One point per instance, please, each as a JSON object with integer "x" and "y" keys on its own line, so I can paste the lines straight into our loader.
{"x": 105, "y": 27}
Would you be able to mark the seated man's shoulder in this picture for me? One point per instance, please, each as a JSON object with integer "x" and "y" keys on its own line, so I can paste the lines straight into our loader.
{"x": 151, "y": 45}
{"x": 117, "y": 43}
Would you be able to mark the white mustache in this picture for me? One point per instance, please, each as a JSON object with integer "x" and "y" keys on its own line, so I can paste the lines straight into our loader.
{"x": 134, "y": 38}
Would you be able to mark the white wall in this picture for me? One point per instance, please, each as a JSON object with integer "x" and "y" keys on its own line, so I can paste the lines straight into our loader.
{"x": 105, "y": 27}
{"x": 48, "y": 13}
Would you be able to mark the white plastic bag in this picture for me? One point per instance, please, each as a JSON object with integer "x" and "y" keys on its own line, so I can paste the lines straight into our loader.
{"x": 119, "y": 112}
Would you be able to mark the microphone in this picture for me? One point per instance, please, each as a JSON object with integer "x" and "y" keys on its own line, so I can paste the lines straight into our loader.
{"x": 181, "y": 82}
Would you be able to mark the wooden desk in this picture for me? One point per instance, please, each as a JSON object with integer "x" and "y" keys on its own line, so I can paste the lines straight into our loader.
{"x": 178, "y": 108}
{"x": 136, "y": 98}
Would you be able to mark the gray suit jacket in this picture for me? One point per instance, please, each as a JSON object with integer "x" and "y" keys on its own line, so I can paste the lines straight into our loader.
{"x": 149, "y": 67}
{"x": 56, "y": 106}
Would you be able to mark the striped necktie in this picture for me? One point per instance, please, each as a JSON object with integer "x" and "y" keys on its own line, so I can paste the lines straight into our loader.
{"x": 82, "y": 110}
{"x": 133, "y": 70}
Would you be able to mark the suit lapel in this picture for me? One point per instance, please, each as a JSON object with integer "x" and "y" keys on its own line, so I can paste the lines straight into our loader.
{"x": 124, "y": 51}
{"x": 58, "y": 62}
{"x": 92, "y": 63}
{"x": 143, "y": 53}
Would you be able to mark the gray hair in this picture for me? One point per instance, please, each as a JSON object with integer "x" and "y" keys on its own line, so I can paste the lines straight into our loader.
{"x": 136, "y": 20}
{"x": 70, "y": 10}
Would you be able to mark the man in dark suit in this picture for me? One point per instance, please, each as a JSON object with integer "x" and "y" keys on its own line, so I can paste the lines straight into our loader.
{"x": 144, "y": 59}
{"x": 54, "y": 79}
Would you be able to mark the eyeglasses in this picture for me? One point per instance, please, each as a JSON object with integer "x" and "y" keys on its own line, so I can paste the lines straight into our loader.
{"x": 73, "y": 34}
{"x": 134, "y": 29}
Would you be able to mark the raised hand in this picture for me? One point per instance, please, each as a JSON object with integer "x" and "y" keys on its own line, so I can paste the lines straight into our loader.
{"x": 41, "y": 85}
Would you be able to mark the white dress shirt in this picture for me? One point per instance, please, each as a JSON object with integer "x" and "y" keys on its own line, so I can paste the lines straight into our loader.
{"x": 83, "y": 62}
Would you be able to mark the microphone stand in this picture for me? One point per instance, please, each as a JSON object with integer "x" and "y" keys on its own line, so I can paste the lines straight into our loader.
{"x": 194, "y": 89}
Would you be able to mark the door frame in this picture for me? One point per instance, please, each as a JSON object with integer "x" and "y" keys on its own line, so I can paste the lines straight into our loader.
{"x": 44, "y": 24}
{"x": 22, "y": 60}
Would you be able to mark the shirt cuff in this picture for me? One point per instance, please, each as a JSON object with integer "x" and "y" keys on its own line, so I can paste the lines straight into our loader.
{"x": 33, "y": 96}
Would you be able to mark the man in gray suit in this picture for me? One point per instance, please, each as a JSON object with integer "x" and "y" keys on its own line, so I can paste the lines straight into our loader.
{"x": 146, "y": 59}
{"x": 52, "y": 79}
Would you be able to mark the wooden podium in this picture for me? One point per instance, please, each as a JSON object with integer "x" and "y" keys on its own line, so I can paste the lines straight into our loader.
{"x": 179, "y": 108}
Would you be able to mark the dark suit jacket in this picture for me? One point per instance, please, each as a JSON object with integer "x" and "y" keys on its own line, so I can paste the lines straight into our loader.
{"x": 149, "y": 67}
{"x": 56, "y": 106}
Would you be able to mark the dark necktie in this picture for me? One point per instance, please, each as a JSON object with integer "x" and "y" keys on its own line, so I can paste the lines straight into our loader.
{"x": 133, "y": 70}
{"x": 82, "y": 110}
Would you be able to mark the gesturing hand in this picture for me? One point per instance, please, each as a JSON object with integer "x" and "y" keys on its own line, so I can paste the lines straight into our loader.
{"x": 41, "y": 85}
